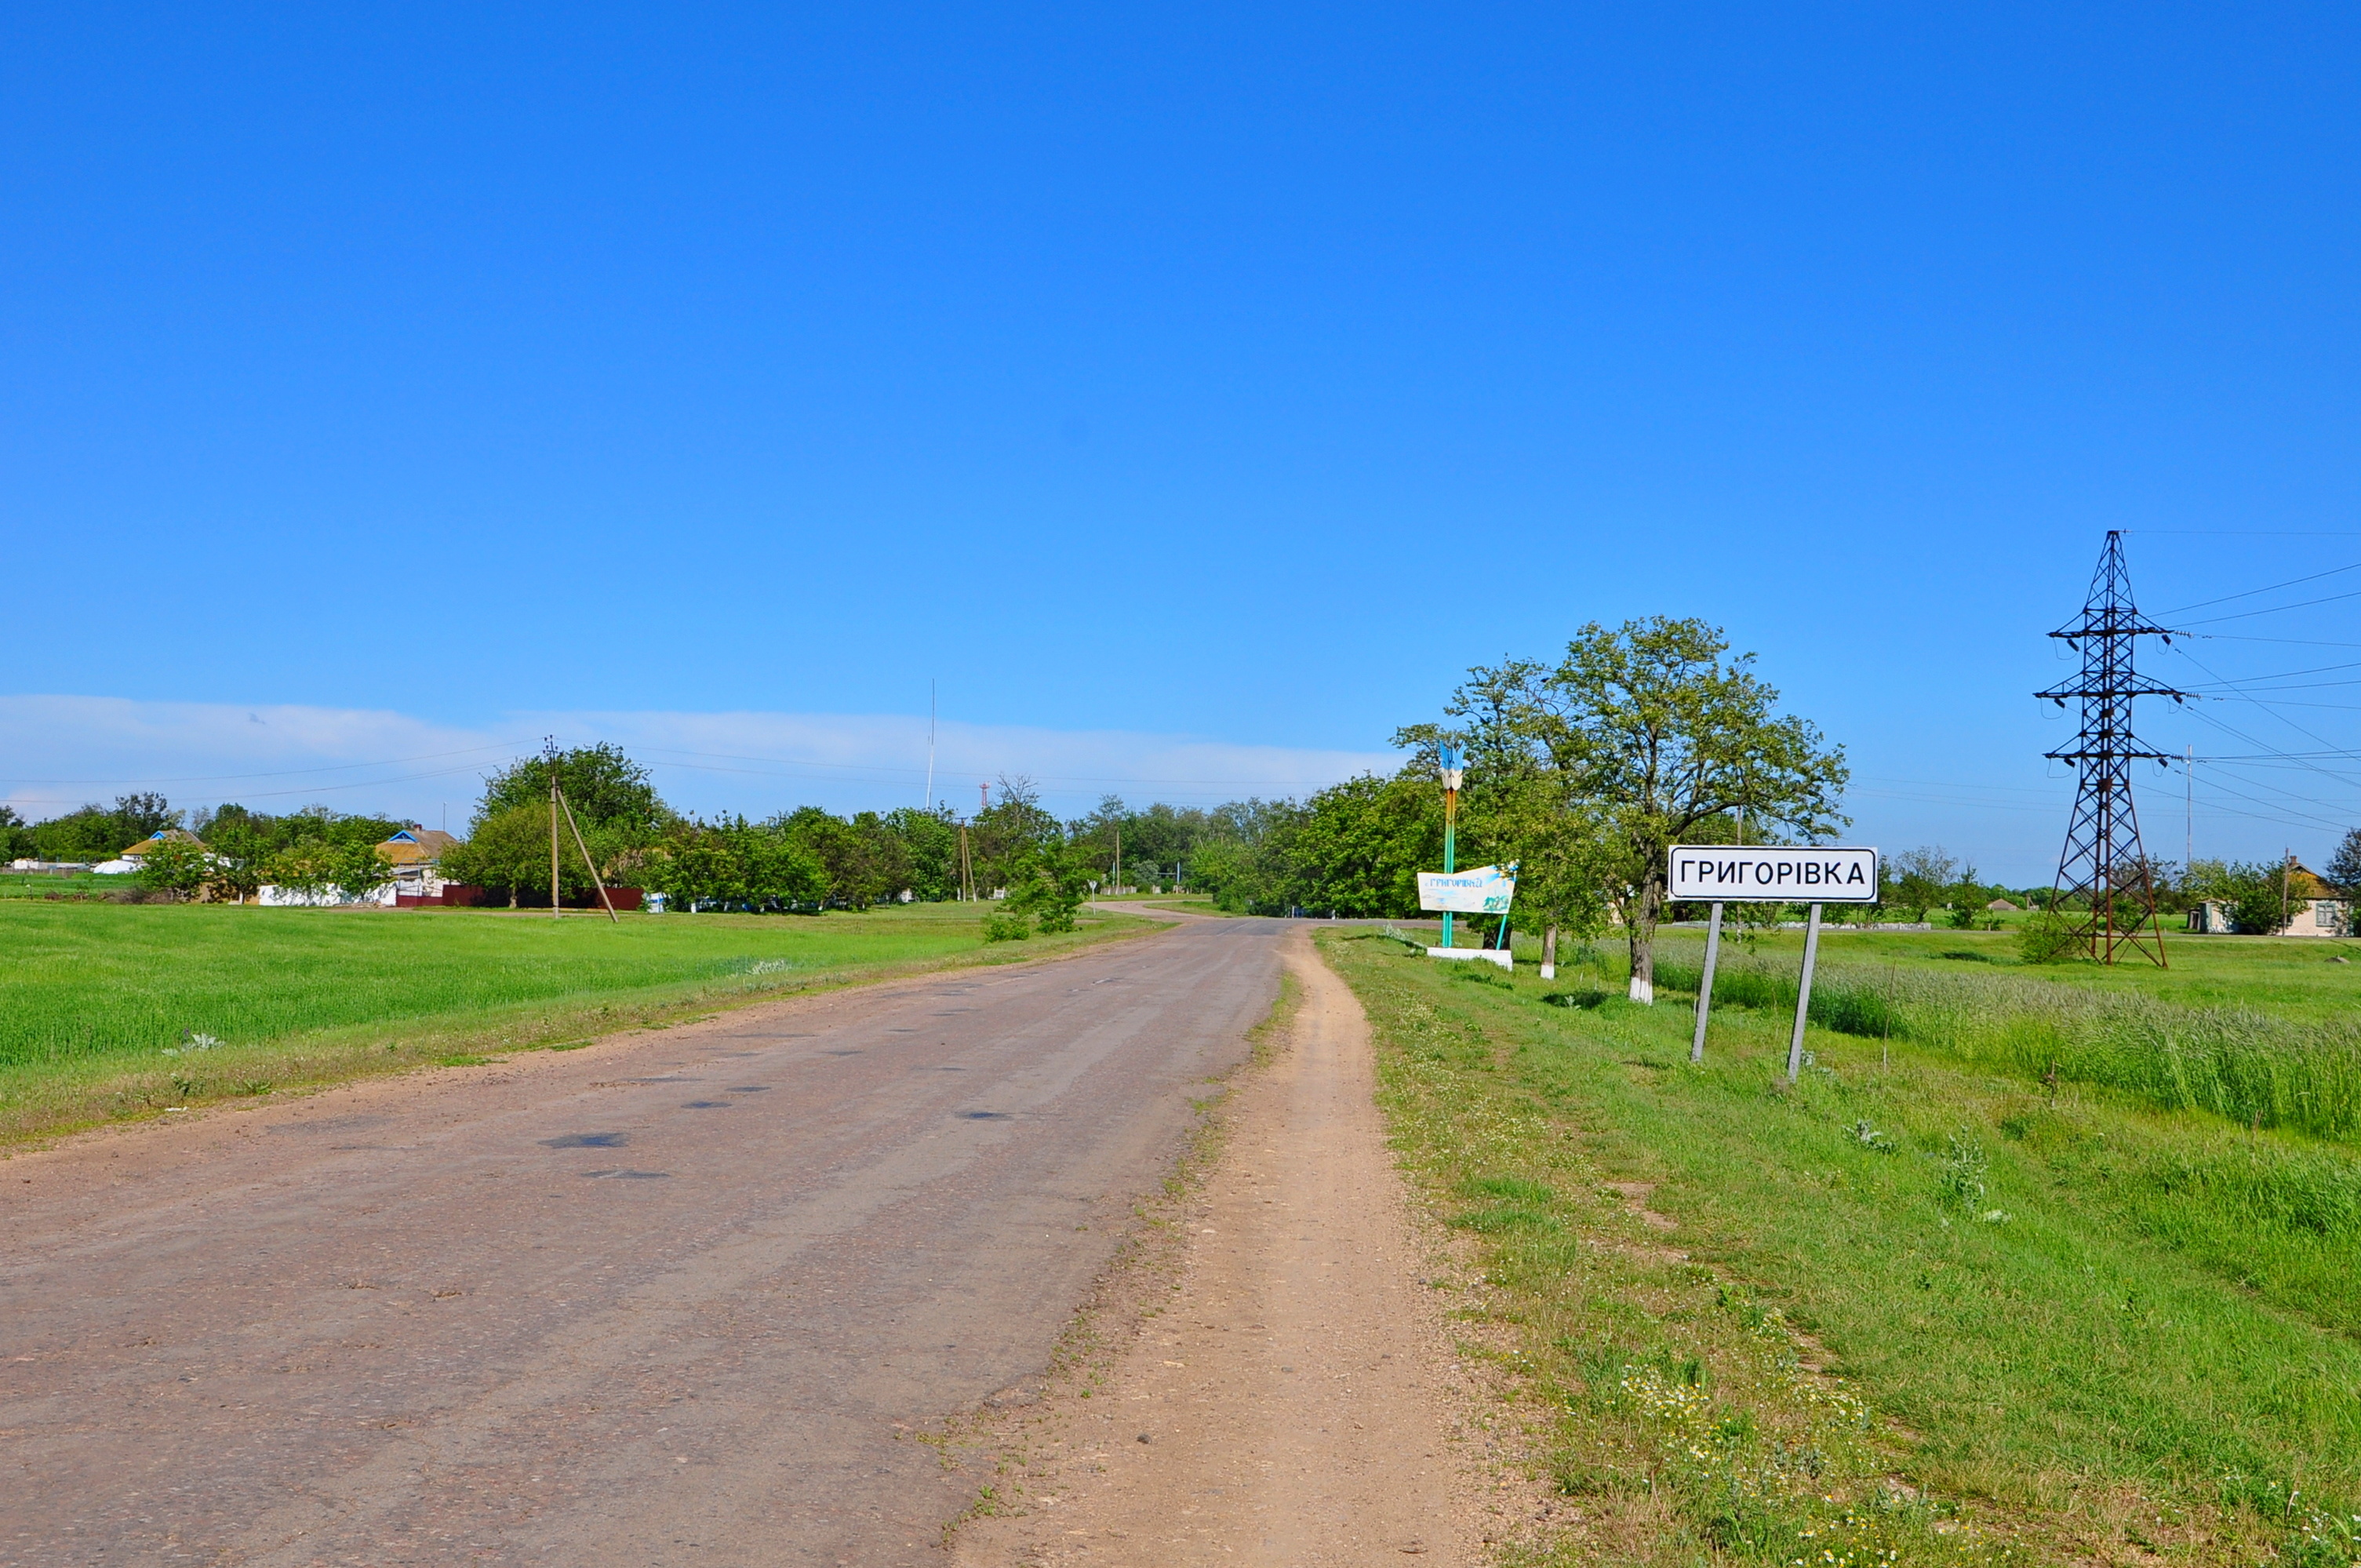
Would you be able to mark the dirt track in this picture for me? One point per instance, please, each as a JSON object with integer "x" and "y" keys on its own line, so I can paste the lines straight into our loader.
{"x": 679, "y": 1297}
{"x": 1295, "y": 1401}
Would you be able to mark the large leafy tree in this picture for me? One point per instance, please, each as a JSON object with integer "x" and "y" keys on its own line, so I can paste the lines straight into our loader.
{"x": 1652, "y": 732}
{"x": 1357, "y": 847}
{"x": 603, "y": 785}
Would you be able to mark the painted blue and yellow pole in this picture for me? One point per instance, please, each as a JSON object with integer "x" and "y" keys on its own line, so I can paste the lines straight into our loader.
{"x": 1452, "y": 772}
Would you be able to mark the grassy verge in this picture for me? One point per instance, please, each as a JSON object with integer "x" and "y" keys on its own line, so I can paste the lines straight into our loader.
{"x": 118, "y": 1012}
{"x": 1911, "y": 1312}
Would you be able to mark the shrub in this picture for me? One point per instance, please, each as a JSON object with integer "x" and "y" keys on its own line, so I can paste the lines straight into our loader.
{"x": 2050, "y": 937}
{"x": 1006, "y": 924}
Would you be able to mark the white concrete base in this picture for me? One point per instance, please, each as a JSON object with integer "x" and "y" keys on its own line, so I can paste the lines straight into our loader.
{"x": 1487, "y": 955}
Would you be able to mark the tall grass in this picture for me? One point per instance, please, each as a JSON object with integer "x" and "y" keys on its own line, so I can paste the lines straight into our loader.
{"x": 2249, "y": 1067}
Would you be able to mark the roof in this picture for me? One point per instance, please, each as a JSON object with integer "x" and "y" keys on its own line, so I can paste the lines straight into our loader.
{"x": 174, "y": 835}
{"x": 417, "y": 846}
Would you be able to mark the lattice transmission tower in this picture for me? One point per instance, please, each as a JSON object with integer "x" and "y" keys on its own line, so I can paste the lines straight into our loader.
{"x": 2101, "y": 863}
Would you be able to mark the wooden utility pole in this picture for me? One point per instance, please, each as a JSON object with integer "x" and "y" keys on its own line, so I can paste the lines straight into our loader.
{"x": 1117, "y": 884}
{"x": 550, "y": 752}
{"x": 591, "y": 865}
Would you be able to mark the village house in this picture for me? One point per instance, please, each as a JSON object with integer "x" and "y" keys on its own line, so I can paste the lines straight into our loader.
{"x": 129, "y": 860}
{"x": 2313, "y": 908}
{"x": 416, "y": 855}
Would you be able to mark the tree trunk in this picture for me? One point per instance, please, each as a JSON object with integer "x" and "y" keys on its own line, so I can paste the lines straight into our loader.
{"x": 1549, "y": 953}
{"x": 1645, "y": 908}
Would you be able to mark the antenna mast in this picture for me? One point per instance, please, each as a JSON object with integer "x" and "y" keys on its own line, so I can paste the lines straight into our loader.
{"x": 2101, "y": 863}
{"x": 930, "y": 745}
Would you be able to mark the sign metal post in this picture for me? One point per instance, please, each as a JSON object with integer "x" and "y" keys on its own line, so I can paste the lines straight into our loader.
{"x": 1819, "y": 873}
{"x": 1803, "y": 995}
{"x": 1705, "y": 986}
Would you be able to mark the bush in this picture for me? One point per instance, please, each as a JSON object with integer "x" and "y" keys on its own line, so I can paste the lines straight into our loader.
{"x": 1006, "y": 924}
{"x": 2049, "y": 938}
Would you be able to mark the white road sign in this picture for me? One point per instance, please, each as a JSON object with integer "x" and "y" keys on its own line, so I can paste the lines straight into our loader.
{"x": 1732, "y": 873}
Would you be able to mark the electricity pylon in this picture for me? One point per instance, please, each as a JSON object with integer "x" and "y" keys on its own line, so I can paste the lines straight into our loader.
{"x": 2101, "y": 863}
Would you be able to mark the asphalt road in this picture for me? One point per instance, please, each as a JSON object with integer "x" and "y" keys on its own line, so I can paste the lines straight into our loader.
{"x": 685, "y": 1298}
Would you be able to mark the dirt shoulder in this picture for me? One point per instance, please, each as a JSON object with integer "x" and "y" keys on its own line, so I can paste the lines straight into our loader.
{"x": 1277, "y": 1384}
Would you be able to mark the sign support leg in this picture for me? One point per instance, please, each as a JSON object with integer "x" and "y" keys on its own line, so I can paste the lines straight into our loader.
{"x": 1705, "y": 986}
{"x": 1804, "y": 996}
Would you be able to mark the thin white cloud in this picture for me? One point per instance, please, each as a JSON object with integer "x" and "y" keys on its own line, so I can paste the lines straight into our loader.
{"x": 64, "y": 751}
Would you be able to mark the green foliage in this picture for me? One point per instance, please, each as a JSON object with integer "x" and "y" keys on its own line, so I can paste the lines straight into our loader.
{"x": 325, "y": 865}
{"x": 1002, "y": 924}
{"x": 175, "y": 865}
{"x": 1918, "y": 880}
{"x": 1357, "y": 847}
{"x": 1050, "y": 886}
{"x": 605, "y": 788}
{"x": 2254, "y": 891}
{"x": 2049, "y": 936}
{"x": 1638, "y": 736}
{"x": 759, "y": 868}
{"x": 98, "y": 833}
{"x": 2343, "y": 869}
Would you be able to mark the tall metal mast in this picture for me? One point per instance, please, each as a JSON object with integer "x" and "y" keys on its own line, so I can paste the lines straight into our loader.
{"x": 2101, "y": 864}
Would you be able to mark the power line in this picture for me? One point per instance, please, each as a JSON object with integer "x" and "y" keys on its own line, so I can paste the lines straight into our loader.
{"x": 2250, "y": 593}
{"x": 2275, "y": 609}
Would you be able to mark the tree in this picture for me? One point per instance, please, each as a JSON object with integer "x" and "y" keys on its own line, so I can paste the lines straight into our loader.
{"x": 98, "y": 833}
{"x": 1657, "y": 733}
{"x": 1050, "y": 886}
{"x": 176, "y": 865}
{"x": 1357, "y": 847}
{"x": 2345, "y": 866}
{"x": 930, "y": 838}
{"x": 1005, "y": 835}
{"x": 1915, "y": 880}
{"x": 603, "y": 785}
{"x": 2251, "y": 891}
{"x": 509, "y": 850}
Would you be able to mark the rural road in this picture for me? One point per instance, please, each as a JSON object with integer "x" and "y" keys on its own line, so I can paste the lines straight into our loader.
{"x": 679, "y": 1297}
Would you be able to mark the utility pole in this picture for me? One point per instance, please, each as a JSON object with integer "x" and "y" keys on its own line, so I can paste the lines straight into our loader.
{"x": 930, "y": 745}
{"x": 2101, "y": 862}
{"x": 2189, "y": 783}
{"x": 549, "y": 753}
{"x": 1116, "y": 886}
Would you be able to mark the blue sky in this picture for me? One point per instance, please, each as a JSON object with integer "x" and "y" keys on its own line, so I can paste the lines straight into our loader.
{"x": 1225, "y": 380}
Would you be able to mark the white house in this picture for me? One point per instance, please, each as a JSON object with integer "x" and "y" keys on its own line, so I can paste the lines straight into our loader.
{"x": 2312, "y": 909}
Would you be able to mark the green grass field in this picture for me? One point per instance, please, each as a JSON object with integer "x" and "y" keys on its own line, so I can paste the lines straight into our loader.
{"x": 48, "y": 884}
{"x": 1916, "y": 1309}
{"x": 105, "y": 1002}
